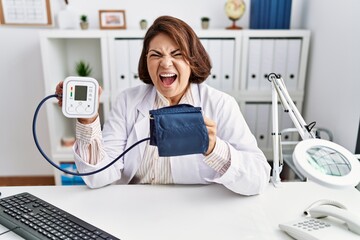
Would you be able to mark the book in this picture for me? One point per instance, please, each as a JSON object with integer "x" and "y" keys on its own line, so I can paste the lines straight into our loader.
{"x": 254, "y": 14}
{"x": 280, "y": 13}
{"x": 287, "y": 14}
{"x": 273, "y": 14}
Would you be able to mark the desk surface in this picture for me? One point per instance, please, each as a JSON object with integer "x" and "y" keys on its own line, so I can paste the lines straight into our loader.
{"x": 136, "y": 212}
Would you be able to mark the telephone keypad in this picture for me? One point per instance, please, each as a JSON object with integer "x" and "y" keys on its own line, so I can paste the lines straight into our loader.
{"x": 312, "y": 224}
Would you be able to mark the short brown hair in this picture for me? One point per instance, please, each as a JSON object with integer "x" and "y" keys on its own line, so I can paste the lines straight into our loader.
{"x": 190, "y": 46}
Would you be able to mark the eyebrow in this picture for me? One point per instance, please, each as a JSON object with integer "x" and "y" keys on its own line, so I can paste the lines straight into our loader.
{"x": 172, "y": 52}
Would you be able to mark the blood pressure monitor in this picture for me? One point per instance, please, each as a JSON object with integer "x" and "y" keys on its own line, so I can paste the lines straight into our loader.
{"x": 80, "y": 97}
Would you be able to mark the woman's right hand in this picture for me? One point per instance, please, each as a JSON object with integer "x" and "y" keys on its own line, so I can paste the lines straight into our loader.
{"x": 59, "y": 92}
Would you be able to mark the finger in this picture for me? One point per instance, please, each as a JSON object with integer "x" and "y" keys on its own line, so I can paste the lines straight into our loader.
{"x": 59, "y": 88}
{"x": 208, "y": 122}
{"x": 59, "y": 92}
{"x": 211, "y": 128}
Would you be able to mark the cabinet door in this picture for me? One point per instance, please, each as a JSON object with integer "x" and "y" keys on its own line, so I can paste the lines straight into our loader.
{"x": 250, "y": 115}
{"x": 253, "y": 70}
{"x": 258, "y": 118}
{"x": 286, "y": 61}
{"x": 293, "y": 64}
{"x": 266, "y": 63}
{"x": 222, "y": 55}
{"x": 127, "y": 59}
{"x": 227, "y": 61}
{"x": 214, "y": 51}
{"x": 263, "y": 121}
{"x": 280, "y": 57}
{"x": 205, "y": 43}
{"x": 122, "y": 64}
{"x": 135, "y": 47}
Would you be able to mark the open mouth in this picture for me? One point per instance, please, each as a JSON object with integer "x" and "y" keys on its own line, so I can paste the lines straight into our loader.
{"x": 168, "y": 78}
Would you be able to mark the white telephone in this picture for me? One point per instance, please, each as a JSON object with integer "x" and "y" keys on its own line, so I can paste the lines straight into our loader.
{"x": 341, "y": 224}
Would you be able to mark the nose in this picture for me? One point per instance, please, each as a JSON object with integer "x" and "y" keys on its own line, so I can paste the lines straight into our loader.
{"x": 166, "y": 61}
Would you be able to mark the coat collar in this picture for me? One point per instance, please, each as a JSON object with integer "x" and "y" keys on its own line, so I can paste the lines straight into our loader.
{"x": 147, "y": 103}
{"x": 195, "y": 91}
{"x": 142, "y": 122}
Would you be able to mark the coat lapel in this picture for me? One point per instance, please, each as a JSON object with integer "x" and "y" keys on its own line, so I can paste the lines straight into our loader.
{"x": 141, "y": 130}
{"x": 195, "y": 92}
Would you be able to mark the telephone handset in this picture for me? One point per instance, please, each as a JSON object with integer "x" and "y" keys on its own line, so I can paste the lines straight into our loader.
{"x": 341, "y": 225}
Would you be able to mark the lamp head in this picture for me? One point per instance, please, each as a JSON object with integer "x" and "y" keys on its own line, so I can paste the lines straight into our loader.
{"x": 327, "y": 163}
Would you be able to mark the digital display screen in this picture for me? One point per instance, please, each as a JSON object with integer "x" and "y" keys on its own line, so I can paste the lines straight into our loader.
{"x": 80, "y": 93}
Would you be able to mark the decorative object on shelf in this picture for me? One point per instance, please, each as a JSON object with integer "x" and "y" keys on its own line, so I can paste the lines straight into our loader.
{"x": 270, "y": 14}
{"x": 205, "y": 22}
{"x": 67, "y": 179}
{"x": 234, "y": 9}
{"x": 84, "y": 24}
{"x": 112, "y": 19}
{"x": 83, "y": 68}
{"x": 67, "y": 18}
{"x": 34, "y": 13}
{"x": 143, "y": 24}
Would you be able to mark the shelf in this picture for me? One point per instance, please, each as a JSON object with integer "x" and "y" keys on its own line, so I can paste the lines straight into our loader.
{"x": 62, "y": 49}
{"x": 71, "y": 34}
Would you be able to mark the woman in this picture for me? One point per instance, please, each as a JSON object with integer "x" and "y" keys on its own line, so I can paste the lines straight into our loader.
{"x": 174, "y": 65}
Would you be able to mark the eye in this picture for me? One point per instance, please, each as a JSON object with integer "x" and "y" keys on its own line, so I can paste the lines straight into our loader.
{"x": 154, "y": 55}
{"x": 177, "y": 54}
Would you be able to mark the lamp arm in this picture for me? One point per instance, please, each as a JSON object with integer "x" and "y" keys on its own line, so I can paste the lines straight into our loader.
{"x": 280, "y": 92}
{"x": 290, "y": 107}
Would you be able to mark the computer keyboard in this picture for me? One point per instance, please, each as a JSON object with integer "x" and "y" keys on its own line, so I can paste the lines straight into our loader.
{"x": 33, "y": 218}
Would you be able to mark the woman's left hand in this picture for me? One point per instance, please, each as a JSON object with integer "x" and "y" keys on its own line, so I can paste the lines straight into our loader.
{"x": 211, "y": 127}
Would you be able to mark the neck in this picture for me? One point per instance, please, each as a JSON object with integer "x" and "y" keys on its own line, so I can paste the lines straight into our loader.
{"x": 176, "y": 99}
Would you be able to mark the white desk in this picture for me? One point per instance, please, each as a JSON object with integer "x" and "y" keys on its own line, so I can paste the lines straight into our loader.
{"x": 186, "y": 212}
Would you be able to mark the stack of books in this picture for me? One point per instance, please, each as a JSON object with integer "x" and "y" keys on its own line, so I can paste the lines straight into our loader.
{"x": 270, "y": 14}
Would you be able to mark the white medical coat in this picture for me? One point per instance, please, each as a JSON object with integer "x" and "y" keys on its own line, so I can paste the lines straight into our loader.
{"x": 128, "y": 122}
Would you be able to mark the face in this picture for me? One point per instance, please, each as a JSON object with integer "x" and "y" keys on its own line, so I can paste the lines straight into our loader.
{"x": 168, "y": 69}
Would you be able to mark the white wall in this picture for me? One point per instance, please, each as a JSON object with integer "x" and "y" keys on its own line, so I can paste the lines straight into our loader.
{"x": 21, "y": 90}
{"x": 22, "y": 81}
{"x": 333, "y": 84}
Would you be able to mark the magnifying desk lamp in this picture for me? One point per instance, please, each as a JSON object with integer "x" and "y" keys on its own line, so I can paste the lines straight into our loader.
{"x": 320, "y": 160}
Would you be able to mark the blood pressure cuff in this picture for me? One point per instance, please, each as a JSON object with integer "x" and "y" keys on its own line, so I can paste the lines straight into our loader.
{"x": 178, "y": 130}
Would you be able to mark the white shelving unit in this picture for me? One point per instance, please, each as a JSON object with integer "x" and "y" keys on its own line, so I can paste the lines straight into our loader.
{"x": 60, "y": 51}
{"x": 241, "y": 60}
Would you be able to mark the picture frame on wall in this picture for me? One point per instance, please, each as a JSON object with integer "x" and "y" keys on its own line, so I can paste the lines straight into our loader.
{"x": 112, "y": 19}
{"x": 25, "y": 13}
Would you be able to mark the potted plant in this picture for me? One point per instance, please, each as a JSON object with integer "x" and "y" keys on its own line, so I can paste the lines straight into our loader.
{"x": 143, "y": 24}
{"x": 83, "y": 69}
{"x": 205, "y": 22}
{"x": 84, "y": 24}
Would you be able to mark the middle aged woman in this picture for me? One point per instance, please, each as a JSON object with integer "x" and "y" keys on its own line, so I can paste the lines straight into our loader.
{"x": 174, "y": 66}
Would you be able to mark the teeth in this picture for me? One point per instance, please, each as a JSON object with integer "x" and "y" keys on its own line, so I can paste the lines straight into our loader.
{"x": 168, "y": 75}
